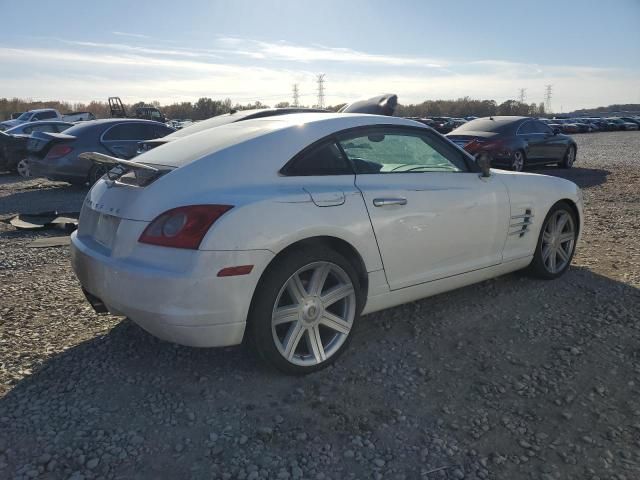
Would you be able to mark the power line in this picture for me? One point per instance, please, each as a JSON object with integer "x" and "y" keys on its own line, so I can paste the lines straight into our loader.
{"x": 522, "y": 95}
{"x": 547, "y": 98}
{"x": 320, "y": 80}
{"x": 296, "y": 95}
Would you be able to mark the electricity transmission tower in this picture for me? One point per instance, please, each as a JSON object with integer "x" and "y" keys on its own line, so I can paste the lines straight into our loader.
{"x": 522, "y": 95}
{"x": 296, "y": 95}
{"x": 320, "y": 80}
{"x": 547, "y": 98}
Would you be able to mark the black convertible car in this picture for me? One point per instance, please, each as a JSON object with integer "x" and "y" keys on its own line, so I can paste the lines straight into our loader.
{"x": 515, "y": 142}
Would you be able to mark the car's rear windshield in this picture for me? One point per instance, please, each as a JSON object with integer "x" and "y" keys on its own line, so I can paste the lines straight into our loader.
{"x": 485, "y": 125}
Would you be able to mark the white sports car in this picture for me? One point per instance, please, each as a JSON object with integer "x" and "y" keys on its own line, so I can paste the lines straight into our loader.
{"x": 286, "y": 229}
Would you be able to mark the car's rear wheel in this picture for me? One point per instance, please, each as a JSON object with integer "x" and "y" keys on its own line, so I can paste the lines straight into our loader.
{"x": 569, "y": 157}
{"x": 305, "y": 310}
{"x": 23, "y": 168}
{"x": 96, "y": 173}
{"x": 556, "y": 243}
{"x": 518, "y": 161}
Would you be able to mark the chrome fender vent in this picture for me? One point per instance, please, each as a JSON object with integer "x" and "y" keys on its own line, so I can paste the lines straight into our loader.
{"x": 520, "y": 223}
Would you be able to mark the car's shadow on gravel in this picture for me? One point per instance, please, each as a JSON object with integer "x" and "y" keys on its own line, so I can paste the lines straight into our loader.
{"x": 449, "y": 369}
{"x": 35, "y": 198}
{"x": 583, "y": 177}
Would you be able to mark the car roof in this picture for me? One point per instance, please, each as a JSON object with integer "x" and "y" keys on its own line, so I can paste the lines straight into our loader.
{"x": 36, "y": 110}
{"x": 286, "y": 134}
{"x": 236, "y": 116}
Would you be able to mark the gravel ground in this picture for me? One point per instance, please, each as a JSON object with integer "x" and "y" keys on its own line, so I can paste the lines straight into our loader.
{"x": 512, "y": 378}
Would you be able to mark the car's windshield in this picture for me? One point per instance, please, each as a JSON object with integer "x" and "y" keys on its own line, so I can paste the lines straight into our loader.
{"x": 25, "y": 116}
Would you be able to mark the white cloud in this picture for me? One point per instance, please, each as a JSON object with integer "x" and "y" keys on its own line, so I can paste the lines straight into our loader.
{"x": 248, "y": 70}
{"x": 132, "y": 35}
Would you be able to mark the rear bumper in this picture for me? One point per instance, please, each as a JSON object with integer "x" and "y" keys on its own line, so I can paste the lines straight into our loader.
{"x": 63, "y": 169}
{"x": 190, "y": 306}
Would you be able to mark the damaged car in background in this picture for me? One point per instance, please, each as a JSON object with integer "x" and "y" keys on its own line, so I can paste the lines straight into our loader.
{"x": 284, "y": 230}
{"x": 56, "y": 155}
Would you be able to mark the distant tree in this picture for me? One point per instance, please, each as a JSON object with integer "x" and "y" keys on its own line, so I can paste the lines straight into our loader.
{"x": 282, "y": 105}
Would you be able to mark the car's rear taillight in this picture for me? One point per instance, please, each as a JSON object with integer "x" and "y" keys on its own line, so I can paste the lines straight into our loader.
{"x": 58, "y": 151}
{"x": 183, "y": 227}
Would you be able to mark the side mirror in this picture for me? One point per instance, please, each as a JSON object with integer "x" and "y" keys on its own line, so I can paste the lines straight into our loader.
{"x": 556, "y": 131}
{"x": 484, "y": 162}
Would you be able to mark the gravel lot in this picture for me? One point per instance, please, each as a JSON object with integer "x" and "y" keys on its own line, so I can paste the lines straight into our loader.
{"x": 512, "y": 378}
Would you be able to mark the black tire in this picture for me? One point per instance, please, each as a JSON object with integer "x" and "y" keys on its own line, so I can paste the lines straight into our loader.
{"x": 537, "y": 267}
{"x": 259, "y": 324}
{"x": 569, "y": 157}
{"x": 519, "y": 161}
{"x": 95, "y": 173}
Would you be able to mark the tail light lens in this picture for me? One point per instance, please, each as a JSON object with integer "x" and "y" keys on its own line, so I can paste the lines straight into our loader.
{"x": 58, "y": 151}
{"x": 183, "y": 227}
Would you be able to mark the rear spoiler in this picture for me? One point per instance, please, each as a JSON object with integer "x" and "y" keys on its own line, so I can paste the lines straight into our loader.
{"x": 126, "y": 171}
{"x": 103, "y": 159}
{"x": 381, "y": 105}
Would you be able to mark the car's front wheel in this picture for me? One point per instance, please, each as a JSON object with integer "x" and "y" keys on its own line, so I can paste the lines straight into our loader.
{"x": 556, "y": 243}
{"x": 305, "y": 310}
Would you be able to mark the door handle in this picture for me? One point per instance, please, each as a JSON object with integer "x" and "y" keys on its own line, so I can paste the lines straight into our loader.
{"x": 383, "y": 202}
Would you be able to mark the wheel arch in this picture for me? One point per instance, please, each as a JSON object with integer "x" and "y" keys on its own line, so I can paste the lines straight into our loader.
{"x": 346, "y": 249}
{"x": 339, "y": 245}
{"x": 574, "y": 209}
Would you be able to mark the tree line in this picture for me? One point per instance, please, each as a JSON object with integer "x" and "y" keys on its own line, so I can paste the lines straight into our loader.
{"x": 206, "y": 107}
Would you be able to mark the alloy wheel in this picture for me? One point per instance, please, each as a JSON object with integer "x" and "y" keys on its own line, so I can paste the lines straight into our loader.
{"x": 313, "y": 313}
{"x": 558, "y": 241}
{"x": 23, "y": 168}
{"x": 517, "y": 164}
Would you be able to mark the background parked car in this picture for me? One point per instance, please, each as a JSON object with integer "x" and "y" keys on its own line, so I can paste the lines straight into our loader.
{"x": 50, "y": 114}
{"x": 16, "y": 155}
{"x": 515, "y": 142}
{"x": 55, "y": 155}
{"x": 630, "y": 120}
{"x": 442, "y": 124}
{"x": 40, "y": 126}
{"x": 9, "y": 146}
{"x": 623, "y": 125}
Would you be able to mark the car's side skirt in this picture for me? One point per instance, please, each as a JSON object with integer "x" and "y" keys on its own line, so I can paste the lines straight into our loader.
{"x": 428, "y": 289}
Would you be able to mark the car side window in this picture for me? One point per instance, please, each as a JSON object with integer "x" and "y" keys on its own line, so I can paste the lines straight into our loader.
{"x": 527, "y": 128}
{"x": 130, "y": 131}
{"x": 542, "y": 127}
{"x": 161, "y": 131}
{"x": 46, "y": 115}
{"x": 380, "y": 151}
{"x": 324, "y": 159}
